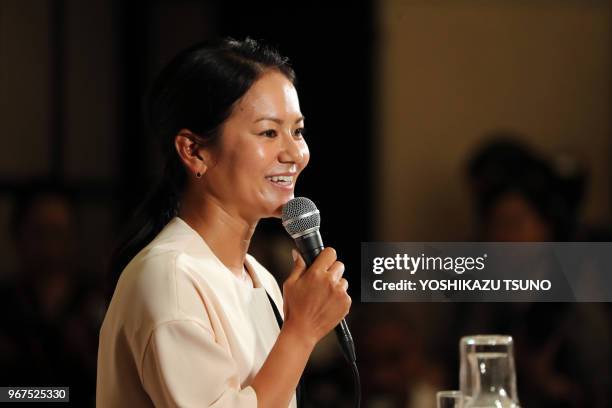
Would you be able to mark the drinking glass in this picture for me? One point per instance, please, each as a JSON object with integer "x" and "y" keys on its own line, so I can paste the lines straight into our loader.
{"x": 487, "y": 376}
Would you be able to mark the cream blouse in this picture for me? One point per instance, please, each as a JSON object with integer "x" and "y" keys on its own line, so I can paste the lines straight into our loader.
{"x": 182, "y": 330}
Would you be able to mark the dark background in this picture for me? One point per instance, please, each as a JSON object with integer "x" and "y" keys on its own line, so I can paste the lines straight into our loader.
{"x": 73, "y": 75}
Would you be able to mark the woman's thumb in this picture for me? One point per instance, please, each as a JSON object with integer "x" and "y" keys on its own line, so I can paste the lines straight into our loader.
{"x": 299, "y": 266}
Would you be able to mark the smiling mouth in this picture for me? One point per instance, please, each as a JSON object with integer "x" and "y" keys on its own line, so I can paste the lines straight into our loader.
{"x": 284, "y": 181}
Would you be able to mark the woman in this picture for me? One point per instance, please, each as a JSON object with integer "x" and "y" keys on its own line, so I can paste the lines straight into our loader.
{"x": 190, "y": 322}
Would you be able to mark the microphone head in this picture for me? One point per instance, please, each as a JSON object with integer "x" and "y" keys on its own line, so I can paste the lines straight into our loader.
{"x": 300, "y": 217}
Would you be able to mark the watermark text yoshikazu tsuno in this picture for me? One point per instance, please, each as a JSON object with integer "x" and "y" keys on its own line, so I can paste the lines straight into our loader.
{"x": 489, "y": 272}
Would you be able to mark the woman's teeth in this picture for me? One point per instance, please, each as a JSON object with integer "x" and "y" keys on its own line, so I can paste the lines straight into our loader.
{"x": 284, "y": 180}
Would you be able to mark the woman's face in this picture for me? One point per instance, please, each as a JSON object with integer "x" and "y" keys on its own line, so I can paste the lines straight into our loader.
{"x": 261, "y": 151}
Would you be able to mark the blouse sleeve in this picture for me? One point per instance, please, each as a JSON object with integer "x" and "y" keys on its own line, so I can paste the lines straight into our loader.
{"x": 184, "y": 367}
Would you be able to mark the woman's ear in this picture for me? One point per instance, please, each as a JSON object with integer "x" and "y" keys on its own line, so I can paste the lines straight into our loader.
{"x": 190, "y": 152}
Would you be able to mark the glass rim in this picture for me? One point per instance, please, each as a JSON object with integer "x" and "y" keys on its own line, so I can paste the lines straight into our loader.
{"x": 487, "y": 340}
{"x": 449, "y": 393}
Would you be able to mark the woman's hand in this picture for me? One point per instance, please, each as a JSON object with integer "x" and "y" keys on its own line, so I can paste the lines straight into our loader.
{"x": 315, "y": 298}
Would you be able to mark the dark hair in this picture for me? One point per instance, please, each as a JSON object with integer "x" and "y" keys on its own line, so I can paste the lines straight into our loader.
{"x": 197, "y": 91}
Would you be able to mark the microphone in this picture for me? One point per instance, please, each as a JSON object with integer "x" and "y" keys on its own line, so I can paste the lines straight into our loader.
{"x": 302, "y": 220}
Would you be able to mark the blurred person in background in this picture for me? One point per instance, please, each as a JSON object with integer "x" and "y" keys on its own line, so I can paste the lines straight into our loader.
{"x": 518, "y": 195}
{"x": 51, "y": 306}
{"x": 562, "y": 349}
{"x": 401, "y": 366}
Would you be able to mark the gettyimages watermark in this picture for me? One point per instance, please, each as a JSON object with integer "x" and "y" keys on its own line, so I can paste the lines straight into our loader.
{"x": 486, "y": 272}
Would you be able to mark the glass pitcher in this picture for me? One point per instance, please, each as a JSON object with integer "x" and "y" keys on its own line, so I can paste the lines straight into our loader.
{"x": 487, "y": 374}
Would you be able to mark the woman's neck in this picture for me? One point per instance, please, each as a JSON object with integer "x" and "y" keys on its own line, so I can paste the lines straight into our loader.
{"x": 227, "y": 235}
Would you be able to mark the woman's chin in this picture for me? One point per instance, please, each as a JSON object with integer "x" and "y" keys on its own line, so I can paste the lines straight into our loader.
{"x": 278, "y": 212}
{"x": 275, "y": 209}
{"x": 281, "y": 203}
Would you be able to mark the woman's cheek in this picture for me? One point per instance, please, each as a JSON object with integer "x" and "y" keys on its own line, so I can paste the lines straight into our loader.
{"x": 305, "y": 154}
{"x": 260, "y": 152}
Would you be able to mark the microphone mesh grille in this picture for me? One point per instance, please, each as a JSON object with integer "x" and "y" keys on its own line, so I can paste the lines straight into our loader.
{"x": 294, "y": 209}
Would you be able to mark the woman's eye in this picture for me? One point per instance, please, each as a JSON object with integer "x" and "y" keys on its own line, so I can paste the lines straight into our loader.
{"x": 299, "y": 132}
{"x": 268, "y": 133}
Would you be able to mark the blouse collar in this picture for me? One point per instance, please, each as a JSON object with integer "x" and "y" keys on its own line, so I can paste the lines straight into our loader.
{"x": 191, "y": 242}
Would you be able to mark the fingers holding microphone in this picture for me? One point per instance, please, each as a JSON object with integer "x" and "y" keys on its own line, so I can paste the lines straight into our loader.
{"x": 339, "y": 284}
{"x": 336, "y": 271}
{"x": 315, "y": 297}
{"x": 327, "y": 270}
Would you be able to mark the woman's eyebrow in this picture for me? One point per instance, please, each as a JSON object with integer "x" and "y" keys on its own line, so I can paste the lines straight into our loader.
{"x": 277, "y": 120}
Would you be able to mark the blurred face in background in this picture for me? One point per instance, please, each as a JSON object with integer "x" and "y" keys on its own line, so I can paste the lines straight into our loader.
{"x": 513, "y": 219}
{"x": 261, "y": 152}
{"x": 45, "y": 238}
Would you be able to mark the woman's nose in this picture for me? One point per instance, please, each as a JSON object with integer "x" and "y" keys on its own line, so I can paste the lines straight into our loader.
{"x": 291, "y": 151}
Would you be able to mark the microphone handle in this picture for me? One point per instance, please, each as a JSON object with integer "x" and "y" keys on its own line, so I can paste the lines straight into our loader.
{"x": 310, "y": 246}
